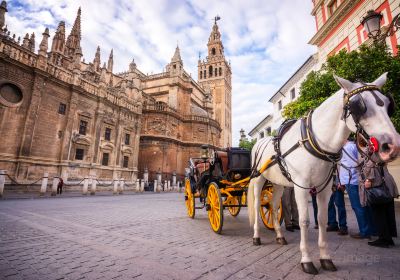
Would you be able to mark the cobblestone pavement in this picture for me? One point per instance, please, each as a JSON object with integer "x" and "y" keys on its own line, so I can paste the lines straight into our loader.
{"x": 149, "y": 236}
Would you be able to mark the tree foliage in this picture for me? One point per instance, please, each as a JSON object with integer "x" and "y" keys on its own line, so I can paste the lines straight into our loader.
{"x": 246, "y": 144}
{"x": 365, "y": 64}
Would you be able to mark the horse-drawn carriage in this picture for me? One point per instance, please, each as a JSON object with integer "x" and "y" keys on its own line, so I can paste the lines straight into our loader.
{"x": 220, "y": 182}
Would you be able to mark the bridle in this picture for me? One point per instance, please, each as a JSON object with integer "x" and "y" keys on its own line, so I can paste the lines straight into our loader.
{"x": 354, "y": 105}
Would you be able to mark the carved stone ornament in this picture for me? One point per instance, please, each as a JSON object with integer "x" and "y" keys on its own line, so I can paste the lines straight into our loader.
{"x": 82, "y": 139}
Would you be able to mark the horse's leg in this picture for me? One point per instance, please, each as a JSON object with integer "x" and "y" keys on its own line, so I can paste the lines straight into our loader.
{"x": 257, "y": 187}
{"x": 302, "y": 196}
{"x": 322, "y": 200}
{"x": 276, "y": 202}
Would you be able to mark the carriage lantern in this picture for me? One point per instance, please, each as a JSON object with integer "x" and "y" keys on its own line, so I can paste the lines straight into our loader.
{"x": 372, "y": 25}
{"x": 204, "y": 151}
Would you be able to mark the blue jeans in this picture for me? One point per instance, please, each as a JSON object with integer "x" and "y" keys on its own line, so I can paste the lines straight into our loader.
{"x": 363, "y": 214}
{"x": 337, "y": 198}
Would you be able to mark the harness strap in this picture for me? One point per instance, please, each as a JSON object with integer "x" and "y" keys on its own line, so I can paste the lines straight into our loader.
{"x": 310, "y": 143}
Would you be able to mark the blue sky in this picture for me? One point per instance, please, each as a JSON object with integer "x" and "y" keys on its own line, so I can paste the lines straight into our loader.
{"x": 265, "y": 40}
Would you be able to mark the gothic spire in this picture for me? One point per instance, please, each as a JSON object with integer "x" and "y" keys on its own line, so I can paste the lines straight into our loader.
{"x": 59, "y": 38}
{"x": 3, "y": 10}
{"x": 96, "y": 60}
{"x": 74, "y": 38}
{"x": 110, "y": 62}
{"x": 45, "y": 42}
{"x": 177, "y": 55}
{"x": 32, "y": 42}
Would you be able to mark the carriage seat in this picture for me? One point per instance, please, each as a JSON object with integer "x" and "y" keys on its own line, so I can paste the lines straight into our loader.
{"x": 223, "y": 156}
{"x": 202, "y": 166}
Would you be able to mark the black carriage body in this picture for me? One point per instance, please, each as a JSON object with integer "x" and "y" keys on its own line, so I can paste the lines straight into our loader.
{"x": 231, "y": 164}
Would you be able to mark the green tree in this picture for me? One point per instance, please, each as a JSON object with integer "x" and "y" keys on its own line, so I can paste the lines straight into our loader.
{"x": 365, "y": 64}
{"x": 246, "y": 144}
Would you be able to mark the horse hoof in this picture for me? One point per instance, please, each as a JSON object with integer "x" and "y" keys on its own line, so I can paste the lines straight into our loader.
{"x": 327, "y": 264}
{"x": 257, "y": 241}
{"x": 308, "y": 267}
{"x": 281, "y": 241}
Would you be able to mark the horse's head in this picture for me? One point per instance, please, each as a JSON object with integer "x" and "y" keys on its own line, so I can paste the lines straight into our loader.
{"x": 370, "y": 113}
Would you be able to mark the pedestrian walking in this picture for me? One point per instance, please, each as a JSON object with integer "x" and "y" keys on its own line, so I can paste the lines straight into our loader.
{"x": 60, "y": 186}
{"x": 348, "y": 176}
{"x": 375, "y": 176}
{"x": 290, "y": 212}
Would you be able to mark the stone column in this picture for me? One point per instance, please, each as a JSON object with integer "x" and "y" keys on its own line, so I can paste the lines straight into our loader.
{"x": 174, "y": 180}
{"x": 155, "y": 185}
{"x": 43, "y": 187}
{"x": 158, "y": 177}
{"x": 85, "y": 186}
{"x": 146, "y": 175}
{"x": 93, "y": 189}
{"x": 54, "y": 186}
{"x": 2, "y": 182}
{"x": 169, "y": 185}
{"x": 142, "y": 187}
{"x": 165, "y": 185}
{"x": 115, "y": 187}
{"x": 121, "y": 186}
{"x": 137, "y": 185}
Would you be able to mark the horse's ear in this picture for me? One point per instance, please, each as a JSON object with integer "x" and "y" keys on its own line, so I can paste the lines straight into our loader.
{"x": 344, "y": 84}
{"x": 381, "y": 80}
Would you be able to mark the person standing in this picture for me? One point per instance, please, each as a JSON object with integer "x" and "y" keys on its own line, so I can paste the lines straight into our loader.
{"x": 337, "y": 199}
{"x": 290, "y": 212}
{"x": 383, "y": 214}
{"x": 348, "y": 176}
{"x": 60, "y": 185}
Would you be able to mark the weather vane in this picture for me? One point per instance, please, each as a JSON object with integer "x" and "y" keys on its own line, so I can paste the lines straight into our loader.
{"x": 217, "y": 18}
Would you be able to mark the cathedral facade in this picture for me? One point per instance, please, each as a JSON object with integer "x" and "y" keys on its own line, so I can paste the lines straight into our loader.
{"x": 76, "y": 119}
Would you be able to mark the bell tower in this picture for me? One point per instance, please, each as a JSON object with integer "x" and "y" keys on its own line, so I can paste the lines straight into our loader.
{"x": 214, "y": 73}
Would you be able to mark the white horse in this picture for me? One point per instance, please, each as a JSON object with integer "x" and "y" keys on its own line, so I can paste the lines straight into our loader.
{"x": 331, "y": 130}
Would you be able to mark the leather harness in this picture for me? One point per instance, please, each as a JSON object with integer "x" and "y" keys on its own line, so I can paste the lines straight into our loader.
{"x": 309, "y": 142}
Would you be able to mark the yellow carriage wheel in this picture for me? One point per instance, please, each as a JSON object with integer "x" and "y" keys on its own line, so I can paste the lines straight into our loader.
{"x": 215, "y": 208}
{"x": 266, "y": 208}
{"x": 234, "y": 200}
{"x": 189, "y": 199}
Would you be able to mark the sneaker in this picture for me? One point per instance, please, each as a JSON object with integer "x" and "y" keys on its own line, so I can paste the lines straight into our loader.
{"x": 379, "y": 243}
{"x": 332, "y": 228}
{"x": 343, "y": 231}
{"x": 360, "y": 236}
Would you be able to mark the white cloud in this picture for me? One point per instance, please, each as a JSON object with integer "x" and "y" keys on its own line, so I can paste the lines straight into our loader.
{"x": 265, "y": 40}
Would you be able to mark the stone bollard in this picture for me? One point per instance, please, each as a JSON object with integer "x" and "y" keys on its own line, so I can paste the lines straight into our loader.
{"x": 115, "y": 187}
{"x": 142, "y": 187}
{"x": 54, "y": 186}
{"x": 2, "y": 181}
{"x": 169, "y": 185}
{"x": 137, "y": 185}
{"x": 93, "y": 189}
{"x": 155, "y": 185}
{"x": 43, "y": 187}
{"x": 121, "y": 186}
{"x": 165, "y": 186}
{"x": 85, "y": 186}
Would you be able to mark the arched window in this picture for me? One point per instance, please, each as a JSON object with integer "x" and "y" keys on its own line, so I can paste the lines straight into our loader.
{"x": 213, "y": 51}
{"x": 220, "y": 71}
{"x": 210, "y": 71}
{"x": 205, "y": 74}
{"x": 201, "y": 75}
{"x": 216, "y": 72}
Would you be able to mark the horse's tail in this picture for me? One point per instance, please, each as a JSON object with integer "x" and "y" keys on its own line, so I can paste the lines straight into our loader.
{"x": 250, "y": 202}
